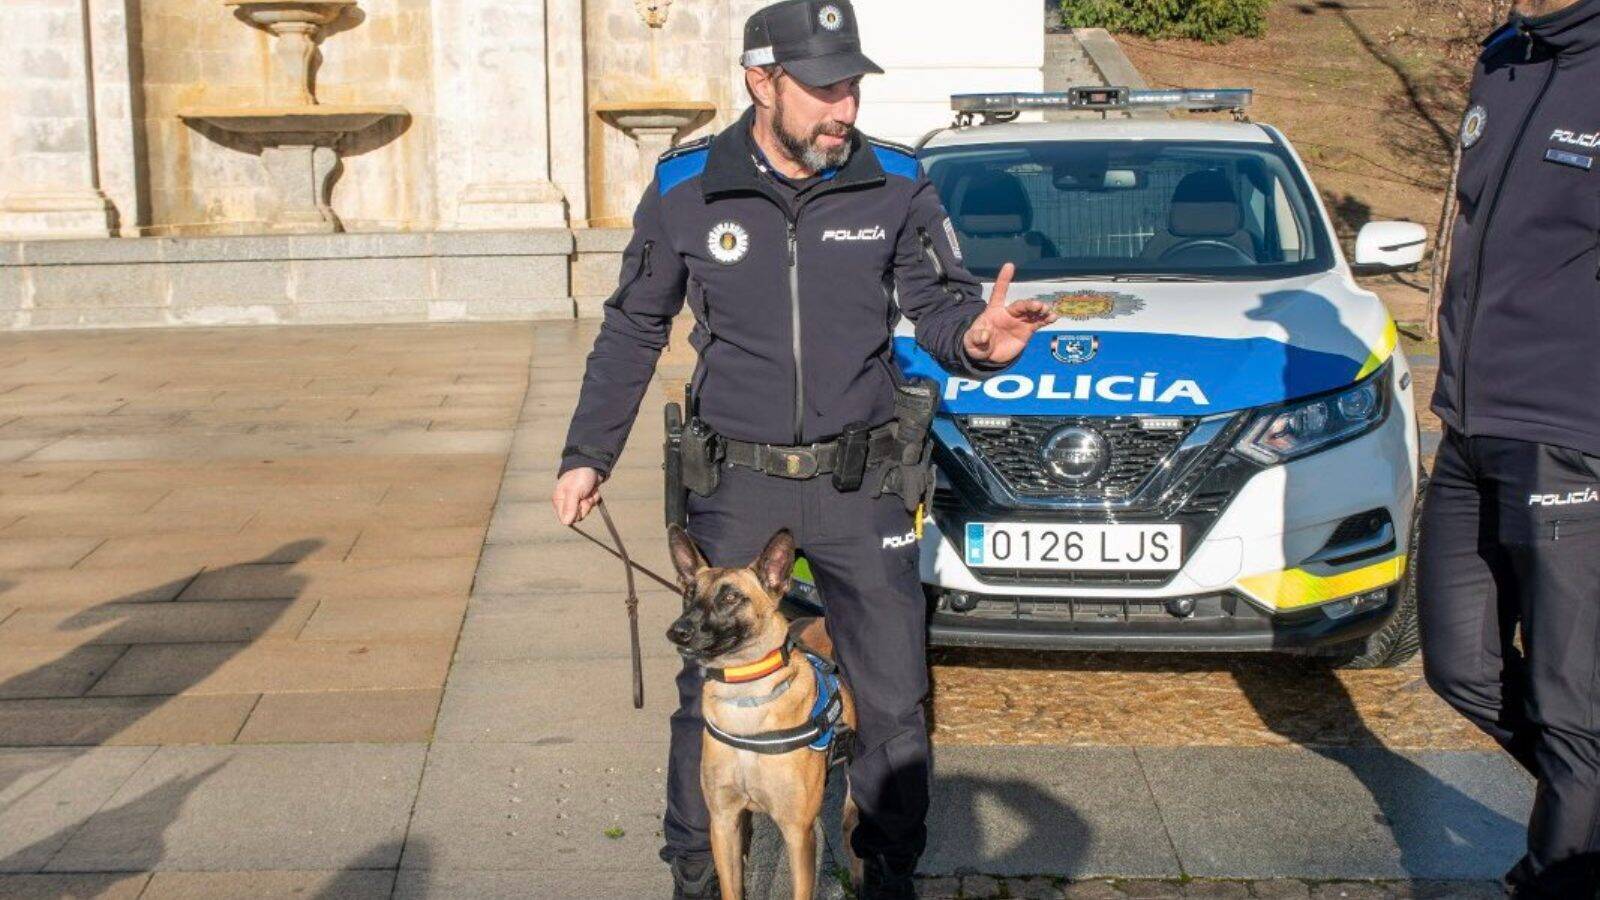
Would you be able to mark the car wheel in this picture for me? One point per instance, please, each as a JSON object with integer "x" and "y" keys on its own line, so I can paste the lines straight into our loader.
{"x": 1398, "y": 640}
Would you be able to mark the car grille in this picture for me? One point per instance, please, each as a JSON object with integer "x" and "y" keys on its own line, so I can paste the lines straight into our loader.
{"x": 1015, "y": 454}
{"x": 1195, "y": 501}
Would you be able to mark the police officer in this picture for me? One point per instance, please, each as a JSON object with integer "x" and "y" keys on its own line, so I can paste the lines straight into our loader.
{"x": 1511, "y": 525}
{"x": 798, "y": 242}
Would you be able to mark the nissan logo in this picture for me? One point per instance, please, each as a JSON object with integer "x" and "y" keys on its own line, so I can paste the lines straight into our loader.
{"x": 1076, "y": 455}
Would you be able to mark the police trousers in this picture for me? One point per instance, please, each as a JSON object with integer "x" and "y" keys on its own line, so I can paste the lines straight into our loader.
{"x": 1511, "y": 541}
{"x": 863, "y": 558}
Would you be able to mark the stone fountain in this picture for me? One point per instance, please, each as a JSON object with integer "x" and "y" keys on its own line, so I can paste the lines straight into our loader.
{"x": 299, "y": 138}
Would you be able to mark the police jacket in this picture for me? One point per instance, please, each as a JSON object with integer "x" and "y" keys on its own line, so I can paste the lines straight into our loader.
{"x": 1520, "y": 324}
{"x": 794, "y": 308}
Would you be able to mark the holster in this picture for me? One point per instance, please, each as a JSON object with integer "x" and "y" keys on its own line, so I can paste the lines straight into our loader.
{"x": 676, "y": 501}
{"x": 911, "y": 477}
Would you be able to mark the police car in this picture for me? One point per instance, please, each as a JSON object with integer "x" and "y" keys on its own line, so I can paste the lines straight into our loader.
{"x": 1215, "y": 447}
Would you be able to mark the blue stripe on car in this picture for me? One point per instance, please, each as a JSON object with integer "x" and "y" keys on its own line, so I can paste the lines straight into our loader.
{"x": 1140, "y": 373}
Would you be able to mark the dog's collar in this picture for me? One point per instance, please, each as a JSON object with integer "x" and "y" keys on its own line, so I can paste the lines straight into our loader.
{"x": 749, "y": 672}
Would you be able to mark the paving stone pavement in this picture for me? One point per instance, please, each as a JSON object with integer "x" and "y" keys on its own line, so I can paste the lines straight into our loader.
{"x": 284, "y": 612}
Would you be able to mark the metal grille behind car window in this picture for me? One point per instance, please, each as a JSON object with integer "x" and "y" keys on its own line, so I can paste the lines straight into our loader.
{"x": 1104, "y": 208}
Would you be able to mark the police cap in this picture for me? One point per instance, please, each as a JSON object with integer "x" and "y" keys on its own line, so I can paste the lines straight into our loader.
{"x": 814, "y": 40}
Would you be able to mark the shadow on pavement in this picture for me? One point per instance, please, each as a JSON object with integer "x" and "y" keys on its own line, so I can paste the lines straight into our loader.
{"x": 146, "y": 818}
{"x": 137, "y": 827}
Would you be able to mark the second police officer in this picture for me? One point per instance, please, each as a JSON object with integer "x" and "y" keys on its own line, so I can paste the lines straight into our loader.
{"x": 1511, "y": 527}
{"x": 798, "y": 242}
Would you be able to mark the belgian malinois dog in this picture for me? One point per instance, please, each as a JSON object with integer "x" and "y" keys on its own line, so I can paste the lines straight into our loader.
{"x": 731, "y": 625}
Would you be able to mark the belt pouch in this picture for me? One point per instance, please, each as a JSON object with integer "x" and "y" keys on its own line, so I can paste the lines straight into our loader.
{"x": 850, "y": 463}
{"x": 702, "y": 458}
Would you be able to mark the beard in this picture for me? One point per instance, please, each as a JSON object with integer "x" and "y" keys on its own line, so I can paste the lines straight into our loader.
{"x": 803, "y": 149}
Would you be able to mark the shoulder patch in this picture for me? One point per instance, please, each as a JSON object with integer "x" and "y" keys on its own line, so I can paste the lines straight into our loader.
{"x": 1495, "y": 40}
{"x": 896, "y": 159}
{"x": 681, "y": 163}
{"x": 891, "y": 145}
{"x": 699, "y": 143}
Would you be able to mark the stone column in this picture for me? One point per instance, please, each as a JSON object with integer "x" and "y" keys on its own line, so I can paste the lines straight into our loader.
{"x": 569, "y": 154}
{"x": 491, "y": 89}
{"x": 119, "y": 137}
{"x": 50, "y": 186}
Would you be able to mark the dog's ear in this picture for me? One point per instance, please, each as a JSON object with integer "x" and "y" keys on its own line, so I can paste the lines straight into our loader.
{"x": 686, "y": 556}
{"x": 775, "y": 563}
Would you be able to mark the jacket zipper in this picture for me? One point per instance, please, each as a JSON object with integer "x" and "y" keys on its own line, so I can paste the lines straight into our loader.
{"x": 933, "y": 257}
{"x": 1483, "y": 233}
{"x": 642, "y": 270}
{"x": 794, "y": 325}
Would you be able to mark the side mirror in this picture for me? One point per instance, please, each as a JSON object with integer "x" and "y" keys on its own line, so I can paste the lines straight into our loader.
{"x": 1390, "y": 246}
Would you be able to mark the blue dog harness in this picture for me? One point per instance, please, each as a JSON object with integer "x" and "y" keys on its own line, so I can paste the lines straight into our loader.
{"x": 819, "y": 730}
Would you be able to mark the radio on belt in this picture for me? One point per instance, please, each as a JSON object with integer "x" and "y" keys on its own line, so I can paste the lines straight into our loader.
{"x": 1006, "y": 107}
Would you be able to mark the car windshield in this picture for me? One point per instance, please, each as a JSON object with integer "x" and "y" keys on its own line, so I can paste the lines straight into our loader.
{"x": 1064, "y": 209}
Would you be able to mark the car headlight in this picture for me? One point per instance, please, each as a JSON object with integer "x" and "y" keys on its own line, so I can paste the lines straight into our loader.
{"x": 1306, "y": 426}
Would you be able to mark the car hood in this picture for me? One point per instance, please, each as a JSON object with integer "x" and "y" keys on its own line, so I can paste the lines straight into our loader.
{"x": 1175, "y": 348}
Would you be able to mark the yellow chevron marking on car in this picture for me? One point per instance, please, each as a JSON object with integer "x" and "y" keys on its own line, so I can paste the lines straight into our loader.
{"x": 1385, "y": 349}
{"x": 1296, "y": 588}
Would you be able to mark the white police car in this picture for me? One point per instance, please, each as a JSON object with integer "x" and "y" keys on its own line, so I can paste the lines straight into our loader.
{"x": 1215, "y": 447}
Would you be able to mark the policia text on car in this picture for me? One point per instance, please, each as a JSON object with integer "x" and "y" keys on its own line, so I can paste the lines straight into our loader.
{"x": 1511, "y": 522}
{"x": 798, "y": 243}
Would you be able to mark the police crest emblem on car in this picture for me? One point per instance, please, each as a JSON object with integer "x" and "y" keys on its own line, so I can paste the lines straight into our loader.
{"x": 1075, "y": 348}
{"x": 1472, "y": 125}
{"x": 728, "y": 242}
{"x": 1083, "y": 305}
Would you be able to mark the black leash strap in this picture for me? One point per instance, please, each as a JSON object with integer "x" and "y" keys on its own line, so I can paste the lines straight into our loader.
{"x": 628, "y": 565}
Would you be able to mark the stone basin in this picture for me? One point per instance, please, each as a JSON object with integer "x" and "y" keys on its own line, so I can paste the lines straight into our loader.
{"x": 264, "y": 120}
{"x": 267, "y": 13}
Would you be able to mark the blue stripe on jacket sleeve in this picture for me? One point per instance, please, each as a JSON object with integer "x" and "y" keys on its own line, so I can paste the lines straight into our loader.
{"x": 675, "y": 171}
{"x": 897, "y": 163}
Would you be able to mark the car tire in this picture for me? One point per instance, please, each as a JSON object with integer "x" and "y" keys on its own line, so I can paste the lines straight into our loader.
{"x": 1398, "y": 640}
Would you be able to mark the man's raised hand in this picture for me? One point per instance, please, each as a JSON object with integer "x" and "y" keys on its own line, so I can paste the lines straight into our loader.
{"x": 1001, "y": 332}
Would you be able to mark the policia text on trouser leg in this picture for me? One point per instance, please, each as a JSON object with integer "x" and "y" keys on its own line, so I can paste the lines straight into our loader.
{"x": 1511, "y": 539}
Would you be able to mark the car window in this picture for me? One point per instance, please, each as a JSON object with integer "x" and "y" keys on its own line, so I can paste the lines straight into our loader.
{"x": 1067, "y": 208}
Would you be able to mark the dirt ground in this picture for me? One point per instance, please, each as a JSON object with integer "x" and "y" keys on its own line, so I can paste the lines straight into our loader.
{"x": 1365, "y": 91}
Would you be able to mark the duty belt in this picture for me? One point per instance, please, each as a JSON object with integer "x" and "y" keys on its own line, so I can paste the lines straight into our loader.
{"x": 807, "y": 461}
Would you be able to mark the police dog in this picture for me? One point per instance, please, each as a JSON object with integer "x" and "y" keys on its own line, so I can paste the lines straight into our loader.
{"x": 731, "y": 622}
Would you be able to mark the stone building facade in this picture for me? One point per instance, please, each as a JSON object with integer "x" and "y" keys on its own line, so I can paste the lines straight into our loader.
{"x": 233, "y": 132}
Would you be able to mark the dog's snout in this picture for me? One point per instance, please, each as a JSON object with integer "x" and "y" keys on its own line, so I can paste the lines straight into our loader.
{"x": 680, "y": 631}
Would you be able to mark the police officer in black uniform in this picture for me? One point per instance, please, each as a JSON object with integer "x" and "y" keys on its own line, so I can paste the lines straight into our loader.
{"x": 798, "y": 242}
{"x": 1511, "y": 525}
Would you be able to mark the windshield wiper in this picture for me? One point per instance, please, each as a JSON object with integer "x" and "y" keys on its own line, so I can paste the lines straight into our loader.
{"x": 1126, "y": 276}
{"x": 1158, "y": 276}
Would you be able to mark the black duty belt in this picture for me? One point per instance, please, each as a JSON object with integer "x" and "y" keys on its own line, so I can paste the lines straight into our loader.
{"x": 807, "y": 461}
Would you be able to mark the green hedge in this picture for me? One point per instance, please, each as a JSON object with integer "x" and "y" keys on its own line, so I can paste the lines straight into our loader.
{"x": 1205, "y": 20}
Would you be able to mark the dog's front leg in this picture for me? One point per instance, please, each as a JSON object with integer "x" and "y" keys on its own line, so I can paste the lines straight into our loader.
{"x": 800, "y": 838}
{"x": 727, "y": 850}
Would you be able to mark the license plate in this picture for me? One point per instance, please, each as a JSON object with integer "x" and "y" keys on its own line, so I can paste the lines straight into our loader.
{"x": 1031, "y": 545}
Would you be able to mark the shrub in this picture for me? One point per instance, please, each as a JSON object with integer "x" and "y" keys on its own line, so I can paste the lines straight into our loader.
{"x": 1213, "y": 21}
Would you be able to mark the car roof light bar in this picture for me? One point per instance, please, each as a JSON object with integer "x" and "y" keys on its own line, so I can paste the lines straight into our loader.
{"x": 1007, "y": 106}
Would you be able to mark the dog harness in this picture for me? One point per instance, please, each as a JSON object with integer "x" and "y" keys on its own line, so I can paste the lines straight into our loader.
{"x": 818, "y": 731}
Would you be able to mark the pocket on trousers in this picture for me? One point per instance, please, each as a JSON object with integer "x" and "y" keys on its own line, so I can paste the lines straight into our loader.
{"x": 1564, "y": 502}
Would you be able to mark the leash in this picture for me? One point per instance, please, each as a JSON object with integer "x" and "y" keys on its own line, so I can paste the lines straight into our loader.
{"x": 628, "y": 566}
